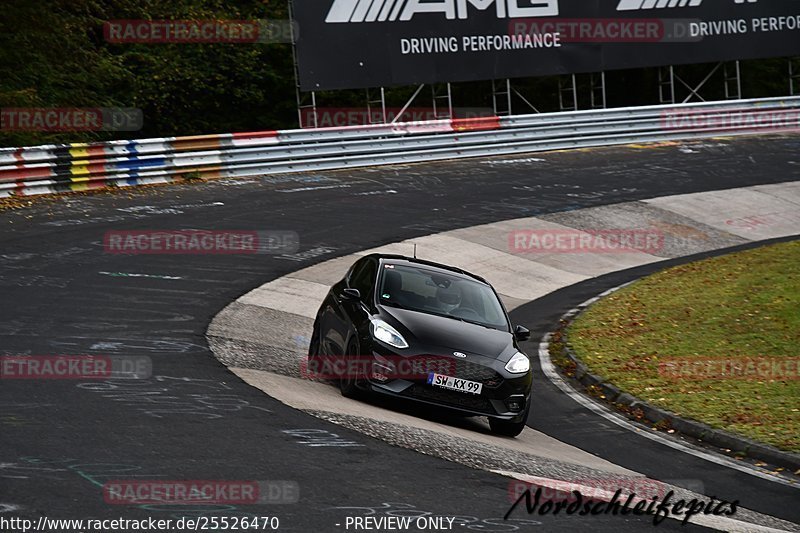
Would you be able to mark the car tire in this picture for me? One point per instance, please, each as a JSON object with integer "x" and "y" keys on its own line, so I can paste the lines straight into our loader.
{"x": 313, "y": 367}
{"x": 508, "y": 428}
{"x": 348, "y": 384}
{"x": 314, "y": 344}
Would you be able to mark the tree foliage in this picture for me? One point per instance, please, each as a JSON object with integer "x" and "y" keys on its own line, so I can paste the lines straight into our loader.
{"x": 54, "y": 54}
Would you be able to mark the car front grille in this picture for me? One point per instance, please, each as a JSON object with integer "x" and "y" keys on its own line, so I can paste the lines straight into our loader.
{"x": 479, "y": 373}
{"x": 457, "y": 368}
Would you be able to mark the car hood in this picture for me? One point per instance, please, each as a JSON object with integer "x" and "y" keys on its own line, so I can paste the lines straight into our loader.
{"x": 440, "y": 334}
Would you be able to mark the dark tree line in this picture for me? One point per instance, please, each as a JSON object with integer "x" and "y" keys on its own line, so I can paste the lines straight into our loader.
{"x": 54, "y": 54}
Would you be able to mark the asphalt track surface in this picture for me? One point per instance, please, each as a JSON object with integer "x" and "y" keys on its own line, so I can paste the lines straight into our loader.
{"x": 60, "y": 441}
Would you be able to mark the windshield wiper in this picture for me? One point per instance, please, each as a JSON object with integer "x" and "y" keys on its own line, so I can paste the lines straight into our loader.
{"x": 469, "y": 321}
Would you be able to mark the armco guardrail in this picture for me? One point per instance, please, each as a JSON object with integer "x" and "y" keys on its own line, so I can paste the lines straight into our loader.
{"x": 76, "y": 167}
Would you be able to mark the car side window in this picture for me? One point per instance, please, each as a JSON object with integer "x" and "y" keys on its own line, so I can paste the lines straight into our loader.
{"x": 363, "y": 278}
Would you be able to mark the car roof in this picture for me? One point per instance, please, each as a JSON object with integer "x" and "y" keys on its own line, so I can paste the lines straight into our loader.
{"x": 430, "y": 265}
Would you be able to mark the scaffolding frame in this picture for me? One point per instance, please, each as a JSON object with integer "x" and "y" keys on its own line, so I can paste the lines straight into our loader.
{"x": 732, "y": 78}
{"x": 381, "y": 102}
{"x": 503, "y": 92}
{"x": 666, "y": 80}
{"x": 408, "y": 103}
{"x": 570, "y": 89}
{"x": 442, "y": 92}
{"x": 598, "y": 90}
{"x": 794, "y": 76}
{"x": 301, "y": 98}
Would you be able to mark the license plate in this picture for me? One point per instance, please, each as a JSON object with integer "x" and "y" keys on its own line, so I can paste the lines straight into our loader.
{"x": 456, "y": 384}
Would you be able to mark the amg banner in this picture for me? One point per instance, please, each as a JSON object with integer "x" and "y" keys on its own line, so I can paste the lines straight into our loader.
{"x": 348, "y": 44}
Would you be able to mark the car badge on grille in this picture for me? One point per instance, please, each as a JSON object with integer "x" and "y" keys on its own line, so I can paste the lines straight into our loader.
{"x": 461, "y": 355}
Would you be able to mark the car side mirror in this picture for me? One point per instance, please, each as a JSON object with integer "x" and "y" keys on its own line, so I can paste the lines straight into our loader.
{"x": 522, "y": 333}
{"x": 351, "y": 294}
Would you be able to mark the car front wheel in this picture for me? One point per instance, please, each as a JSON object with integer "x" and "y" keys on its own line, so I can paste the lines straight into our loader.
{"x": 348, "y": 383}
{"x": 314, "y": 344}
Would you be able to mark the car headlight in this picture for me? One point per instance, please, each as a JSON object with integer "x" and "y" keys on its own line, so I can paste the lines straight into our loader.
{"x": 387, "y": 334}
{"x": 519, "y": 364}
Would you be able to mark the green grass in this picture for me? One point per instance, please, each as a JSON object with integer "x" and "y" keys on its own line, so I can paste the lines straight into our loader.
{"x": 738, "y": 306}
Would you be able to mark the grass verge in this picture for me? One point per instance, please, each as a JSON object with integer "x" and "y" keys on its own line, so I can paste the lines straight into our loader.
{"x": 717, "y": 341}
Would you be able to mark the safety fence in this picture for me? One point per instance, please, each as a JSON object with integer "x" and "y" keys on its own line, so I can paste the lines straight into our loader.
{"x": 82, "y": 166}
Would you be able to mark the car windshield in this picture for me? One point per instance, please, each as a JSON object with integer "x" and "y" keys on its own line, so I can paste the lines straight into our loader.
{"x": 437, "y": 293}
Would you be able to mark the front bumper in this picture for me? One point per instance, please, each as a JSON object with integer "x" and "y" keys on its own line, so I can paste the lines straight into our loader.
{"x": 504, "y": 396}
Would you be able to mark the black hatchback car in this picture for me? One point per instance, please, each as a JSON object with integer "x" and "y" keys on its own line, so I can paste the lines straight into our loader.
{"x": 425, "y": 332}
